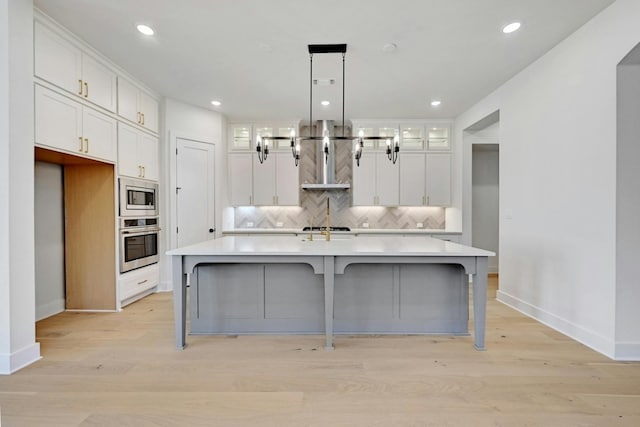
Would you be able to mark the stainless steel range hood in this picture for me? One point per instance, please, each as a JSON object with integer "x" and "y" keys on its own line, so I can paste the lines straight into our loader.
{"x": 325, "y": 168}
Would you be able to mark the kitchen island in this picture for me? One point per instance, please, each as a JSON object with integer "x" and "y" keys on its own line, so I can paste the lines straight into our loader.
{"x": 291, "y": 284}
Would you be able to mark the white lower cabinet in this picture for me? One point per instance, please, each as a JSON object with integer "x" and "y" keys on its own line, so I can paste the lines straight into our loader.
{"x": 375, "y": 181}
{"x": 137, "y": 153}
{"x": 425, "y": 179}
{"x": 137, "y": 282}
{"x": 66, "y": 125}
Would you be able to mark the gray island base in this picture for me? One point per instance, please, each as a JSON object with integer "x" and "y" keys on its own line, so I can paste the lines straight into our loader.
{"x": 356, "y": 285}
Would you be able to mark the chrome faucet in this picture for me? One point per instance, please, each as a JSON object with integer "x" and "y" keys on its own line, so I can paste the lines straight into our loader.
{"x": 327, "y": 232}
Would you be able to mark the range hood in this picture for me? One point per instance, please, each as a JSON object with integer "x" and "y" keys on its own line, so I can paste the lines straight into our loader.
{"x": 325, "y": 163}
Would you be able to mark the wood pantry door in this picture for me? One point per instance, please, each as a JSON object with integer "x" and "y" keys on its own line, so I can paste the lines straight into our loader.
{"x": 195, "y": 191}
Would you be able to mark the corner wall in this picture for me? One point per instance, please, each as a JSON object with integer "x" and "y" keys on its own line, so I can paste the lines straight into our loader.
{"x": 558, "y": 179}
{"x": 17, "y": 283}
{"x": 187, "y": 121}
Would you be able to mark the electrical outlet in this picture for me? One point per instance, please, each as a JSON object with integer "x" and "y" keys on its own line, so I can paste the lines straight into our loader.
{"x": 249, "y": 224}
{"x": 365, "y": 225}
{"x": 279, "y": 224}
{"x": 420, "y": 225}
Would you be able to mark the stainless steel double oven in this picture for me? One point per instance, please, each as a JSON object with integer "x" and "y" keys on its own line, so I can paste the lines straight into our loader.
{"x": 139, "y": 226}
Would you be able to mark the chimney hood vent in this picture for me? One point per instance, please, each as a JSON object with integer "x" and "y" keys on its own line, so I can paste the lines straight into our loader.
{"x": 325, "y": 159}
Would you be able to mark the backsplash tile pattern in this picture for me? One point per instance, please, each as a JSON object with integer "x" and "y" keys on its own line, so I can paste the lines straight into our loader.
{"x": 312, "y": 210}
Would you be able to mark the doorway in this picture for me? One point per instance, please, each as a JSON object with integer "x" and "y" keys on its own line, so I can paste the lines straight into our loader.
{"x": 195, "y": 191}
{"x": 485, "y": 200}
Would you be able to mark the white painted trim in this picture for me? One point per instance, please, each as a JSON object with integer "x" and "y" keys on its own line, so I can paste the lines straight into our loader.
{"x": 165, "y": 287}
{"x": 49, "y": 309}
{"x": 589, "y": 338}
{"x": 13, "y": 362}
{"x": 628, "y": 351}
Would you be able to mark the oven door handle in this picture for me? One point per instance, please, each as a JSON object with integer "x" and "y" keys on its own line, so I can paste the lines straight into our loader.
{"x": 141, "y": 232}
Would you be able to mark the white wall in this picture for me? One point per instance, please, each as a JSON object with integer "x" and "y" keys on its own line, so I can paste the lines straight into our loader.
{"x": 628, "y": 209}
{"x": 186, "y": 121}
{"x": 558, "y": 179}
{"x": 49, "y": 240}
{"x": 17, "y": 309}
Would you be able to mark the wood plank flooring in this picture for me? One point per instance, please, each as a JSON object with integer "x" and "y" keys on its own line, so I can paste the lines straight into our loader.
{"x": 121, "y": 369}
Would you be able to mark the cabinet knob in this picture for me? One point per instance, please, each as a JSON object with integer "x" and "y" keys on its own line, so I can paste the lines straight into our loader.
{"x": 211, "y": 230}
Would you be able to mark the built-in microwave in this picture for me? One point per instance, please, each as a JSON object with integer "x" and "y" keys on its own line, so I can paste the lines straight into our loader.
{"x": 138, "y": 198}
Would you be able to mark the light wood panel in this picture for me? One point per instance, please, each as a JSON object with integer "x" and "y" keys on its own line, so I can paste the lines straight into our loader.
{"x": 89, "y": 199}
{"x": 121, "y": 369}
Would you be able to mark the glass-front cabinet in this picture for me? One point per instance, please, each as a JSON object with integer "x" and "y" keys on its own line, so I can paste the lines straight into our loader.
{"x": 240, "y": 137}
{"x": 438, "y": 137}
{"x": 411, "y": 137}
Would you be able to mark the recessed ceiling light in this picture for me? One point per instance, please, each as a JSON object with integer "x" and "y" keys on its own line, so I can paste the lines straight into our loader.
{"x": 216, "y": 103}
{"x": 145, "y": 29}
{"x": 435, "y": 103}
{"x": 510, "y": 28}
{"x": 325, "y": 103}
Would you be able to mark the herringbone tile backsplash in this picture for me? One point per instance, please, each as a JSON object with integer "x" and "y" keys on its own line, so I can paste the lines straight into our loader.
{"x": 313, "y": 204}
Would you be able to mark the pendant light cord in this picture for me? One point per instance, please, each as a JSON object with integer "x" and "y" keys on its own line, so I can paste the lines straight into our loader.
{"x": 343, "y": 55}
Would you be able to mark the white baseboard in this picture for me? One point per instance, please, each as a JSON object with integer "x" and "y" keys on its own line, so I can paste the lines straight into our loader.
{"x": 13, "y": 362}
{"x": 589, "y": 338}
{"x": 49, "y": 309}
{"x": 628, "y": 351}
{"x": 165, "y": 287}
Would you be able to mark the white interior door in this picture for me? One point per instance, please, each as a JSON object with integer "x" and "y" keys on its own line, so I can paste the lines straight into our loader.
{"x": 195, "y": 191}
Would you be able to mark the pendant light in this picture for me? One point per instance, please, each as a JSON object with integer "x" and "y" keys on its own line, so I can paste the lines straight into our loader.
{"x": 262, "y": 142}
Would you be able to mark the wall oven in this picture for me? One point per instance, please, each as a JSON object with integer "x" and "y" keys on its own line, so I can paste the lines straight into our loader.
{"x": 138, "y": 198}
{"x": 138, "y": 242}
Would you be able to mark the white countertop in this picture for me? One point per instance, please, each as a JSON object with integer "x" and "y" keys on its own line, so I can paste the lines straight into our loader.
{"x": 340, "y": 245}
{"x": 425, "y": 231}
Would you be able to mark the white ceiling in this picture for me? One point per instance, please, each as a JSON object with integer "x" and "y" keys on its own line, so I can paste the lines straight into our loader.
{"x": 252, "y": 54}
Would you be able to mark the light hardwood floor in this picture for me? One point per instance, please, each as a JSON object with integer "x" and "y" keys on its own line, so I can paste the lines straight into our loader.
{"x": 121, "y": 369}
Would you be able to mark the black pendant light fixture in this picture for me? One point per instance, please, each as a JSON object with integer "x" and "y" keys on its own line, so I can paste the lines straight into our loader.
{"x": 262, "y": 142}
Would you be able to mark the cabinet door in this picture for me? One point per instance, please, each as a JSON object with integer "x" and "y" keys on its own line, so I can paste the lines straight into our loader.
{"x": 287, "y": 181}
{"x": 149, "y": 110}
{"x": 99, "y": 133}
{"x": 128, "y": 151}
{"x": 364, "y": 180}
{"x": 99, "y": 82}
{"x": 128, "y": 100}
{"x": 412, "y": 179}
{"x": 58, "y": 121}
{"x": 240, "y": 179}
{"x": 148, "y": 156}
{"x": 438, "y": 182}
{"x": 57, "y": 60}
{"x": 264, "y": 181}
{"x": 388, "y": 181}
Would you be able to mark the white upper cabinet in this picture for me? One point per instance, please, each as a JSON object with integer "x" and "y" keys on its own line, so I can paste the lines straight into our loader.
{"x": 240, "y": 179}
{"x": 425, "y": 179}
{"x": 66, "y": 66}
{"x": 375, "y": 181}
{"x": 275, "y": 181}
{"x": 137, "y": 153}
{"x": 438, "y": 137}
{"x": 66, "y": 125}
{"x": 136, "y": 105}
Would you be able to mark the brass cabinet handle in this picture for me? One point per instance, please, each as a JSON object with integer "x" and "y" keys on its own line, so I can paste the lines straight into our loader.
{"x": 139, "y": 120}
{"x": 144, "y": 171}
{"x": 142, "y": 114}
{"x": 424, "y": 200}
{"x": 81, "y": 145}
{"x": 86, "y": 140}
{"x": 86, "y": 89}
{"x": 80, "y": 87}
{"x": 144, "y": 281}
{"x": 427, "y": 200}
{"x": 139, "y": 171}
